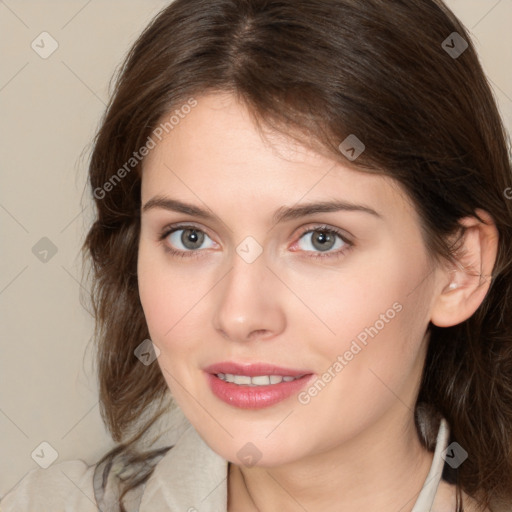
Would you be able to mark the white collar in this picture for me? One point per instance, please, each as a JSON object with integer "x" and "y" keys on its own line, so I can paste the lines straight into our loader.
{"x": 428, "y": 492}
{"x": 191, "y": 477}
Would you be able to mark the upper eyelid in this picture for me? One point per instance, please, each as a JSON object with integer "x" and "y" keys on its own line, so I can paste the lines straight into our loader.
{"x": 170, "y": 228}
{"x": 325, "y": 227}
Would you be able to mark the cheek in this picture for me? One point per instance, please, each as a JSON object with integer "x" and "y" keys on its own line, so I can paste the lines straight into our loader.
{"x": 166, "y": 292}
{"x": 168, "y": 301}
{"x": 154, "y": 296}
{"x": 175, "y": 302}
{"x": 158, "y": 300}
{"x": 378, "y": 314}
{"x": 376, "y": 298}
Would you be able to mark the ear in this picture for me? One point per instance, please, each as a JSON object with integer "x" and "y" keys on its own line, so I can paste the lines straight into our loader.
{"x": 464, "y": 286}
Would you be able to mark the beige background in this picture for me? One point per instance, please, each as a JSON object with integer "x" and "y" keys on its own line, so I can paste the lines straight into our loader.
{"x": 50, "y": 110}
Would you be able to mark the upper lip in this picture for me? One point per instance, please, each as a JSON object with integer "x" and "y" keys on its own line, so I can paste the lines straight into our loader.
{"x": 253, "y": 369}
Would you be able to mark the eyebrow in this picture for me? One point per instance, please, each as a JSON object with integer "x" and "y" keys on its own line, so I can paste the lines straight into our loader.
{"x": 282, "y": 214}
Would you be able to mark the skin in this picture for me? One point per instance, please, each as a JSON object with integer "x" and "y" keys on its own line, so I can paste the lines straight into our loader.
{"x": 354, "y": 446}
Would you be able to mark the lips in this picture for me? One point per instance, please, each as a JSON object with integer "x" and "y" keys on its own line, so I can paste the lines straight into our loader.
{"x": 228, "y": 382}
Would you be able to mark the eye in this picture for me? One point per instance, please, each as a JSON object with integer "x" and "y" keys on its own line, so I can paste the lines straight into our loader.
{"x": 188, "y": 240}
{"x": 324, "y": 239}
{"x": 181, "y": 240}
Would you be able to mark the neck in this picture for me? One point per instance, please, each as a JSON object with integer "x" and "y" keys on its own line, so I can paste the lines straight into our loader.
{"x": 383, "y": 469}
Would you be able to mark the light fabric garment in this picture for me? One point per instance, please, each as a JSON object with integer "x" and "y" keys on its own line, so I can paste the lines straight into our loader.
{"x": 190, "y": 477}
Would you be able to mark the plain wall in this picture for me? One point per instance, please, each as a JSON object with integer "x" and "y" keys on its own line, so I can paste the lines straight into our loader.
{"x": 50, "y": 109}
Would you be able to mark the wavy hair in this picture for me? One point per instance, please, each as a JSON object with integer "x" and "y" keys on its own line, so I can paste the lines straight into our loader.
{"x": 319, "y": 70}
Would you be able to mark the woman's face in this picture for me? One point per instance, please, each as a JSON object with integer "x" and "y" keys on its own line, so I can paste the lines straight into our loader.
{"x": 341, "y": 296}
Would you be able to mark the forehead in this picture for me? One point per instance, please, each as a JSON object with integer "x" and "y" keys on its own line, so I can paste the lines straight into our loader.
{"x": 216, "y": 153}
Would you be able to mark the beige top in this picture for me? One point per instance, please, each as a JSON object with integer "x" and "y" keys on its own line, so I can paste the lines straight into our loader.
{"x": 190, "y": 477}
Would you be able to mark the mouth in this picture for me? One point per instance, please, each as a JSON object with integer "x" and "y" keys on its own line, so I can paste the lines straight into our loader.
{"x": 256, "y": 385}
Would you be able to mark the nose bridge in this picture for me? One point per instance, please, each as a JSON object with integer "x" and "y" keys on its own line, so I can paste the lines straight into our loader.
{"x": 248, "y": 302}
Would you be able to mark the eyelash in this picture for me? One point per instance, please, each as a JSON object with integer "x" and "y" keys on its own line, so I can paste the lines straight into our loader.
{"x": 168, "y": 230}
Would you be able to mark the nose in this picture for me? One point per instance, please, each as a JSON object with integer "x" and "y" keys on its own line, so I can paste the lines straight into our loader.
{"x": 249, "y": 304}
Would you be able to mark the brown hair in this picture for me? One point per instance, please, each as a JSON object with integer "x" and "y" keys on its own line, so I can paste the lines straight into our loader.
{"x": 323, "y": 69}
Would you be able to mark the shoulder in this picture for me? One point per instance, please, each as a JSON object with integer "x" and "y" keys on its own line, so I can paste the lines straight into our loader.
{"x": 64, "y": 486}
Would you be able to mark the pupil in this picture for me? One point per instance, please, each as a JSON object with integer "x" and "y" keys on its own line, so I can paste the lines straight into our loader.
{"x": 323, "y": 238}
{"x": 191, "y": 238}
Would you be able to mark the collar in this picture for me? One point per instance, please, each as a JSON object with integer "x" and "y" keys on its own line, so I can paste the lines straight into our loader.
{"x": 428, "y": 492}
{"x": 191, "y": 477}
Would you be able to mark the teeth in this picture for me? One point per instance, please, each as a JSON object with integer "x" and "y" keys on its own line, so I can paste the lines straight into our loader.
{"x": 260, "y": 380}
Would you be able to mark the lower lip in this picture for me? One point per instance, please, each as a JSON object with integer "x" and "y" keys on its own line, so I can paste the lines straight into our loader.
{"x": 255, "y": 397}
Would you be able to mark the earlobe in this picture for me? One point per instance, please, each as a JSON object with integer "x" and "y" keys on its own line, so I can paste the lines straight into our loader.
{"x": 464, "y": 287}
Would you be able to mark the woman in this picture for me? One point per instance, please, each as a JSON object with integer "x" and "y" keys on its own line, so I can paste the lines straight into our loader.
{"x": 303, "y": 237}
